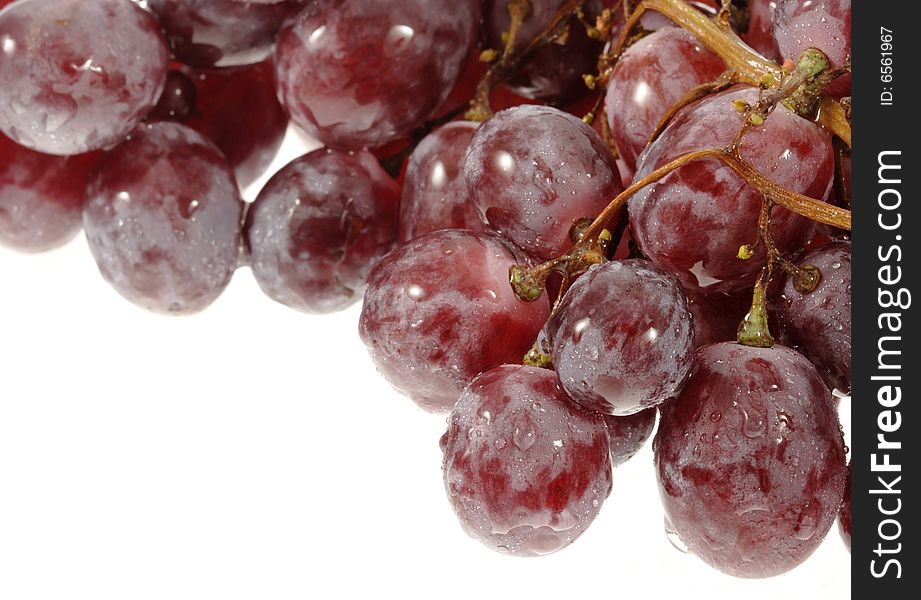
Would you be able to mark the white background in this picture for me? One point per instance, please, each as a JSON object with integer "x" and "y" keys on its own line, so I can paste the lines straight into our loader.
{"x": 253, "y": 452}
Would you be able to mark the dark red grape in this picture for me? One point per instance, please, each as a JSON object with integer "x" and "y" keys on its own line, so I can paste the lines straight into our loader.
{"x": 760, "y": 34}
{"x": 163, "y": 219}
{"x": 622, "y": 338}
{"x": 236, "y": 109}
{"x": 76, "y": 75}
{"x": 750, "y": 459}
{"x": 222, "y": 33}
{"x": 653, "y": 74}
{"x": 555, "y": 70}
{"x": 693, "y": 221}
{"x": 628, "y": 434}
{"x": 534, "y": 171}
{"x": 819, "y": 323}
{"x": 822, "y": 24}
{"x": 844, "y": 517}
{"x": 439, "y": 311}
{"x": 41, "y": 196}
{"x": 525, "y": 469}
{"x": 434, "y": 191}
{"x": 717, "y": 316}
{"x": 319, "y": 225}
{"x": 367, "y": 72}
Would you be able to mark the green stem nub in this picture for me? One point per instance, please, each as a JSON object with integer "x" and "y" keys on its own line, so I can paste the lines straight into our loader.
{"x": 806, "y": 278}
{"x": 754, "y": 330}
{"x": 526, "y": 284}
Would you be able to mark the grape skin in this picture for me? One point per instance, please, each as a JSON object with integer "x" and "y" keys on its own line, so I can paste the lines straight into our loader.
{"x": 844, "y": 518}
{"x": 819, "y": 323}
{"x": 41, "y": 196}
{"x": 209, "y": 34}
{"x": 653, "y": 74}
{"x": 622, "y": 338}
{"x": 367, "y": 72}
{"x": 438, "y": 311}
{"x": 822, "y": 24}
{"x": 163, "y": 219}
{"x": 318, "y": 226}
{"x": 760, "y": 34}
{"x": 434, "y": 191}
{"x": 526, "y": 470}
{"x": 750, "y": 459}
{"x": 628, "y": 434}
{"x": 77, "y": 76}
{"x": 717, "y": 316}
{"x": 534, "y": 171}
{"x": 693, "y": 221}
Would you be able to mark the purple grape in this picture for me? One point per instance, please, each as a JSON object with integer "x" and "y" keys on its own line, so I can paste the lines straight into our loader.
{"x": 822, "y": 24}
{"x": 367, "y": 72}
{"x": 717, "y": 316}
{"x": 693, "y": 221}
{"x": 525, "y": 469}
{"x": 554, "y": 71}
{"x": 222, "y": 33}
{"x": 628, "y": 434}
{"x": 77, "y": 75}
{"x": 434, "y": 191}
{"x": 236, "y": 109}
{"x": 750, "y": 459}
{"x": 163, "y": 219}
{"x": 653, "y": 74}
{"x": 534, "y": 171}
{"x": 622, "y": 338}
{"x": 319, "y": 225}
{"x": 439, "y": 311}
{"x": 819, "y": 323}
{"x": 844, "y": 517}
{"x": 41, "y": 196}
{"x": 760, "y": 34}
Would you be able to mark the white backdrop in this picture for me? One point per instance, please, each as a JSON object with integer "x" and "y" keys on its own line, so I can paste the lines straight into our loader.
{"x": 253, "y": 452}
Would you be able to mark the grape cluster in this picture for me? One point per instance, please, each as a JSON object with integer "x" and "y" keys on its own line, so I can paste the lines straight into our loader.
{"x": 557, "y": 278}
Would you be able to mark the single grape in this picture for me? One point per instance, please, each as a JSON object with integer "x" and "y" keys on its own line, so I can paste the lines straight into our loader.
{"x": 750, "y": 459}
{"x": 439, "y": 311}
{"x": 717, "y": 316}
{"x": 844, "y": 517}
{"x": 222, "y": 33}
{"x": 628, "y": 434}
{"x": 822, "y": 24}
{"x": 318, "y": 226}
{"x": 555, "y": 70}
{"x": 760, "y": 34}
{"x": 653, "y": 74}
{"x": 434, "y": 191}
{"x": 367, "y": 72}
{"x": 41, "y": 196}
{"x": 693, "y": 221}
{"x": 236, "y": 109}
{"x": 163, "y": 219}
{"x": 622, "y": 338}
{"x": 534, "y": 171}
{"x": 526, "y": 470}
{"x": 819, "y": 323}
{"x": 77, "y": 76}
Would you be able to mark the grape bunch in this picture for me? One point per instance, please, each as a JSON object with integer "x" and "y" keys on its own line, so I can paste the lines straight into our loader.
{"x": 650, "y": 235}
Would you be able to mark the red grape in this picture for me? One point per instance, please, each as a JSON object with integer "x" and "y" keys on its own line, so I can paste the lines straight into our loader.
{"x": 41, "y": 196}
{"x": 555, "y": 70}
{"x": 319, "y": 225}
{"x": 367, "y": 72}
{"x": 623, "y": 338}
{"x": 222, "y": 33}
{"x": 822, "y": 24}
{"x": 236, "y": 109}
{"x": 163, "y": 219}
{"x": 439, "y": 311}
{"x": 760, "y": 34}
{"x": 525, "y": 469}
{"x": 434, "y": 191}
{"x": 628, "y": 434}
{"x": 750, "y": 459}
{"x": 534, "y": 171}
{"x": 717, "y": 316}
{"x": 76, "y": 75}
{"x": 844, "y": 518}
{"x": 653, "y": 74}
{"x": 693, "y": 221}
{"x": 819, "y": 323}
